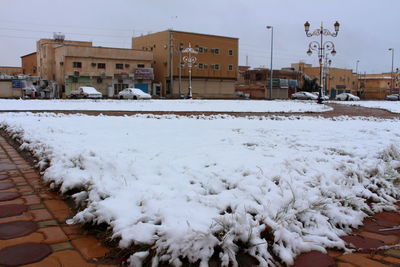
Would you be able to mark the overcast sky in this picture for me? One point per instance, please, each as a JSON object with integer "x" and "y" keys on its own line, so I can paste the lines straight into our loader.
{"x": 368, "y": 27}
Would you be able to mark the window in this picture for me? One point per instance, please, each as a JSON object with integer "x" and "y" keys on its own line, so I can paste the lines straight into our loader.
{"x": 181, "y": 47}
{"x": 101, "y": 65}
{"x": 215, "y": 66}
{"x": 99, "y": 80}
{"x": 200, "y": 65}
{"x": 201, "y": 49}
{"x": 215, "y": 51}
{"x": 230, "y": 67}
{"x": 119, "y": 66}
{"x": 230, "y": 52}
{"x": 140, "y": 65}
{"x": 77, "y": 64}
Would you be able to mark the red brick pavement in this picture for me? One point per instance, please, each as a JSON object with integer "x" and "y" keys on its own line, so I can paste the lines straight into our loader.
{"x": 32, "y": 221}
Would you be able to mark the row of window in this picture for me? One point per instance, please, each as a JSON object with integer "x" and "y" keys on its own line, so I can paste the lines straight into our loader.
{"x": 213, "y": 66}
{"x": 118, "y": 66}
{"x": 200, "y": 49}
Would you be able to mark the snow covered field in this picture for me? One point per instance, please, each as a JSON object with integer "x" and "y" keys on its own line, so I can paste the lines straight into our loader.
{"x": 186, "y": 185}
{"x": 392, "y": 106}
{"x": 166, "y": 105}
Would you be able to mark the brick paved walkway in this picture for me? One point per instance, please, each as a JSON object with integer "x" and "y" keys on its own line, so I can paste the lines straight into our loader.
{"x": 32, "y": 221}
{"x": 33, "y": 230}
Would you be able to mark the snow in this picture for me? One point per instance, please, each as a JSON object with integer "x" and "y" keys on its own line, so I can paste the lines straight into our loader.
{"x": 392, "y": 106}
{"x": 186, "y": 185}
{"x": 166, "y": 105}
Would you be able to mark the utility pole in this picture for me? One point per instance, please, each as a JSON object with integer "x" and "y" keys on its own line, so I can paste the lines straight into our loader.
{"x": 171, "y": 62}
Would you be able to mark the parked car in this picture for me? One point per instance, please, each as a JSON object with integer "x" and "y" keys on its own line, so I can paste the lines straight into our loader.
{"x": 347, "y": 97}
{"x": 304, "y": 96}
{"x": 324, "y": 97}
{"x": 133, "y": 93}
{"x": 394, "y": 97}
{"x": 86, "y": 92}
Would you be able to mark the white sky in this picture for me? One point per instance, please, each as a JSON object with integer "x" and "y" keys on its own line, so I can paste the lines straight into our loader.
{"x": 368, "y": 27}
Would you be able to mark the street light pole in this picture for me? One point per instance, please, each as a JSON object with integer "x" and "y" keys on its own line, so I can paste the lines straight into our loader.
{"x": 321, "y": 47}
{"x": 270, "y": 71}
{"x": 189, "y": 60}
{"x": 358, "y": 61}
{"x": 391, "y": 75}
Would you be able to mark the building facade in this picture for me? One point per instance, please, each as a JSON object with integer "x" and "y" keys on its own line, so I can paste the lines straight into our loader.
{"x": 29, "y": 64}
{"x": 109, "y": 70}
{"x": 214, "y": 73}
{"x": 12, "y": 71}
{"x": 378, "y": 86}
{"x": 336, "y": 80}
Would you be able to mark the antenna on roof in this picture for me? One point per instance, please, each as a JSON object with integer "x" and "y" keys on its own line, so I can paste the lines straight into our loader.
{"x": 59, "y": 37}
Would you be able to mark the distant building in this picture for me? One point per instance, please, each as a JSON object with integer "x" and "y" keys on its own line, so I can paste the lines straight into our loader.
{"x": 29, "y": 64}
{"x": 256, "y": 84}
{"x": 213, "y": 75}
{"x": 377, "y": 86}
{"x": 12, "y": 71}
{"x": 72, "y": 64}
{"x": 337, "y": 80}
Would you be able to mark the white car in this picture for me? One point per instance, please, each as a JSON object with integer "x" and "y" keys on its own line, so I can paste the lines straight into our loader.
{"x": 347, "y": 97}
{"x": 86, "y": 92}
{"x": 133, "y": 93}
{"x": 304, "y": 96}
{"x": 394, "y": 97}
{"x": 324, "y": 97}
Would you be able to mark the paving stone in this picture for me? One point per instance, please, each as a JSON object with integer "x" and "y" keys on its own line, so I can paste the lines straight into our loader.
{"x": 61, "y": 246}
{"x": 375, "y": 227}
{"x": 30, "y": 175}
{"x": 16, "y": 229}
{"x": 315, "y": 259}
{"x": 31, "y": 200}
{"x": 34, "y": 237}
{"x": 3, "y": 176}
{"x": 344, "y": 264}
{"x": 26, "y": 216}
{"x": 359, "y": 259}
{"x": 25, "y": 188}
{"x": 388, "y": 216}
{"x": 6, "y": 167}
{"x": 18, "y": 180}
{"x": 53, "y": 234}
{"x": 5, "y": 186}
{"x": 24, "y": 254}
{"x": 90, "y": 247}
{"x": 387, "y": 239}
{"x": 12, "y": 210}
{"x": 334, "y": 253}
{"x": 41, "y": 215}
{"x": 364, "y": 244}
{"x": 395, "y": 261}
{"x": 59, "y": 209}
{"x": 73, "y": 231}
{"x": 18, "y": 201}
{"x": 5, "y": 196}
{"x": 47, "y": 195}
{"x": 47, "y": 262}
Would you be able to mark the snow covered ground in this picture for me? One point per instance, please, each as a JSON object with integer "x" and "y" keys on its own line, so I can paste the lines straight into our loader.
{"x": 392, "y": 106}
{"x": 166, "y": 105}
{"x": 186, "y": 185}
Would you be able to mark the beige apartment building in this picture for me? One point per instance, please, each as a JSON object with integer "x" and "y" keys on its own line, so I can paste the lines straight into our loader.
{"x": 29, "y": 64}
{"x": 214, "y": 73}
{"x": 378, "y": 86}
{"x": 73, "y": 64}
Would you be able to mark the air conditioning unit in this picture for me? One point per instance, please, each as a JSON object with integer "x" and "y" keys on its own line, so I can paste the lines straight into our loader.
{"x": 126, "y": 65}
{"x": 76, "y": 73}
{"x": 61, "y": 63}
{"x": 93, "y": 64}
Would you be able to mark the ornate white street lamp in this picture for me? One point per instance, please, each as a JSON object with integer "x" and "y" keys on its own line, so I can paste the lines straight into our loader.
{"x": 189, "y": 60}
{"x": 321, "y": 47}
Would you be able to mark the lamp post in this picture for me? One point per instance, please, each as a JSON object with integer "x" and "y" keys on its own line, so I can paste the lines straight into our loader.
{"x": 358, "y": 61}
{"x": 328, "y": 63}
{"x": 189, "y": 60}
{"x": 391, "y": 75}
{"x": 321, "y": 47}
{"x": 270, "y": 71}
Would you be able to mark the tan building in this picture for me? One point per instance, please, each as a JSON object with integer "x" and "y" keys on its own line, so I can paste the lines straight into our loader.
{"x": 10, "y": 70}
{"x": 29, "y": 64}
{"x": 109, "y": 70}
{"x": 377, "y": 86}
{"x": 45, "y": 49}
{"x": 337, "y": 80}
{"x": 214, "y": 74}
